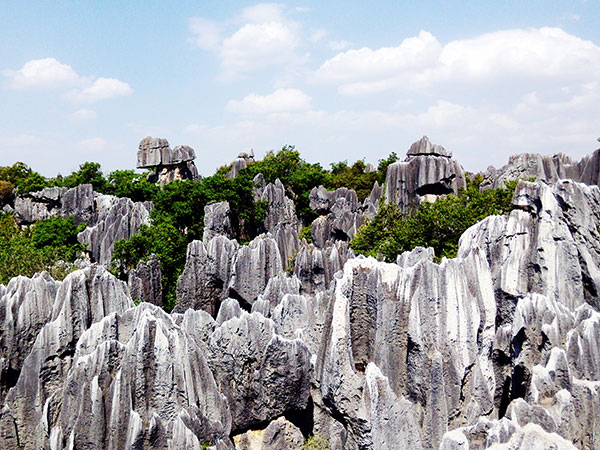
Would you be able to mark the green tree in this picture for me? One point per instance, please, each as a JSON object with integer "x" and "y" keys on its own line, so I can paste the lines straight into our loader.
{"x": 88, "y": 173}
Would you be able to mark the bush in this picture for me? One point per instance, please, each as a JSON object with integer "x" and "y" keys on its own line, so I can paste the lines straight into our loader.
{"x": 438, "y": 225}
{"x": 41, "y": 247}
{"x": 315, "y": 442}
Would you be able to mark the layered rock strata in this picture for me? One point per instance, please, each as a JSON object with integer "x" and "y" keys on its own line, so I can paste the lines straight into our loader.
{"x": 168, "y": 164}
{"x": 544, "y": 167}
{"x": 427, "y": 172}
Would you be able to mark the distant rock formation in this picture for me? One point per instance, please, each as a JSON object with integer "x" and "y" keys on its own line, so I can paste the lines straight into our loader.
{"x": 241, "y": 162}
{"x": 77, "y": 202}
{"x": 169, "y": 164}
{"x": 427, "y": 172}
{"x": 546, "y": 168}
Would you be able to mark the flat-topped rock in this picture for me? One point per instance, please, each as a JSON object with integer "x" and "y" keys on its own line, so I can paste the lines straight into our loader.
{"x": 156, "y": 151}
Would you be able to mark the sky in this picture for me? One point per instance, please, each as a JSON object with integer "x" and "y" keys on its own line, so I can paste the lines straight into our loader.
{"x": 340, "y": 80}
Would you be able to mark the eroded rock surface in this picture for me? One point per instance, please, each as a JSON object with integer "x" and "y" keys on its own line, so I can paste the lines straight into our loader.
{"x": 169, "y": 164}
{"x": 428, "y": 172}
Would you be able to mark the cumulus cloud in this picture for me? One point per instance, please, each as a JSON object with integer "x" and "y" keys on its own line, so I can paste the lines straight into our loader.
{"x": 260, "y": 36}
{"x": 46, "y": 73}
{"x": 519, "y": 58}
{"x": 279, "y": 101}
{"x": 101, "y": 89}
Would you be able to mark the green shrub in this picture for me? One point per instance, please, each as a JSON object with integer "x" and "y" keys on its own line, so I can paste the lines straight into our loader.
{"x": 438, "y": 225}
{"x": 315, "y": 442}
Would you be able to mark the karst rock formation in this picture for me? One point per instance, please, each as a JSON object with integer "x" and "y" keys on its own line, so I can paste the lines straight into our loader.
{"x": 280, "y": 339}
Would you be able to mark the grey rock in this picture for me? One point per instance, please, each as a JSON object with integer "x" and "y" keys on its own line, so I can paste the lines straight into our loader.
{"x": 203, "y": 284}
{"x": 371, "y": 203}
{"x": 241, "y": 162}
{"x": 217, "y": 220}
{"x": 262, "y": 374}
{"x": 229, "y": 309}
{"x": 343, "y": 215}
{"x": 280, "y": 208}
{"x": 278, "y": 286}
{"x": 546, "y": 168}
{"x": 429, "y": 329}
{"x": 25, "y": 307}
{"x": 424, "y": 147}
{"x": 83, "y": 298}
{"x": 548, "y": 245}
{"x": 279, "y": 434}
{"x": 143, "y": 378}
{"x": 170, "y": 164}
{"x": 426, "y": 173}
{"x": 77, "y": 202}
{"x": 254, "y": 265}
{"x": 145, "y": 281}
{"x": 151, "y": 151}
{"x": 117, "y": 218}
{"x": 415, "y": 256}
{"x": 315, "y": 267}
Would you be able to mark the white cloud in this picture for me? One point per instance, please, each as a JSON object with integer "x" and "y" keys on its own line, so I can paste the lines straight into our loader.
{"x": 206, "y": 34}
{"x": 338, "y": 46}
{"x": 258, "y": 45}
{"x": 279, "y": 101}
{"x": 84, "y": 114}
{"x": 45, "y": 73}
{"x": 101, "y": 89}
{"x": 317, "y": 35}
{"x": 263, "y": 12}
{"x": 48, "y": 73}
{"x": 262, "y": 36}
{"x": 517, "y": 59}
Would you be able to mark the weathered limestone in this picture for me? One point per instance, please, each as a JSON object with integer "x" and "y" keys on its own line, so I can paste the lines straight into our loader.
{"x": 262, "y": 374}
{"x": 544, "y": 168}
{"x": 254, "y": 265}
{"x": 77, "y": 202}
{"x": 170, "y": 164}
{"x": 137, "y": 377}
{"x": 279, "y": 434}
{"x": 83, "y": 298}
{"x": 549, "y": 245}
{"x": 241, "y": 162}
{"x": 427, "y": 172}
{"x": 205, "y": 279}
{"x": 145, "y": 282}
{"x": 343, "y": 217}
{"x": 315, "y": 267}
{"x": 117, "y": 218}
{"x": 217, "y": 220}
{"x": 25, "y": 307}
{"x": 429, "y": 329}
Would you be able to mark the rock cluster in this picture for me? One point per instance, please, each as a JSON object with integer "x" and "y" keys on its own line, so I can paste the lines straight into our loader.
{"x": 547, "y": 168}
{"x": 280, "y": 339}
{"x": 108, "y": 218}
{"x": 169, "y": 164}
{"x": 77, "y": 202}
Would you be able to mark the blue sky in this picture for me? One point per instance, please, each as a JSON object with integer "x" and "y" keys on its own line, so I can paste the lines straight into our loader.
{"x": 341, "y": 80}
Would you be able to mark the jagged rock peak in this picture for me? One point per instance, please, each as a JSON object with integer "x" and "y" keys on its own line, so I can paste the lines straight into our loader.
{"x": 424, "y": 147}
